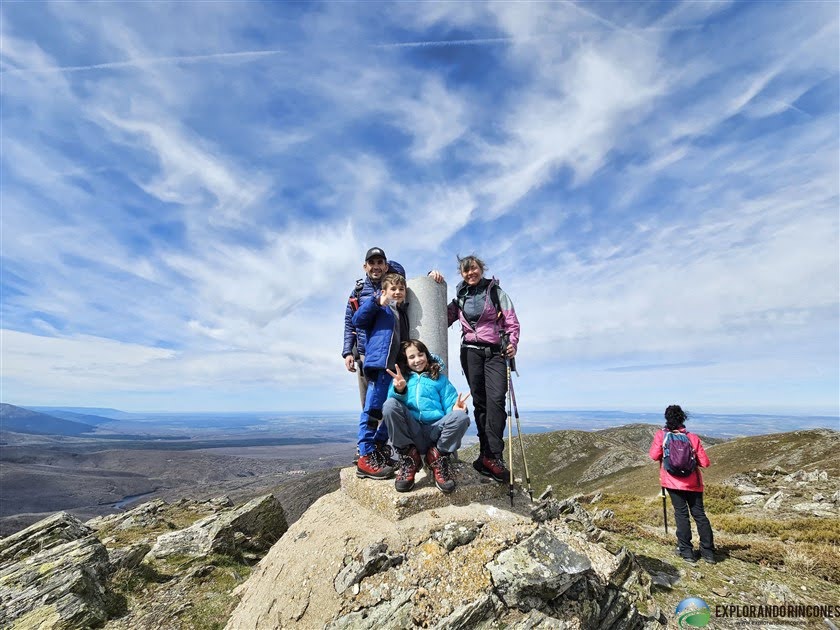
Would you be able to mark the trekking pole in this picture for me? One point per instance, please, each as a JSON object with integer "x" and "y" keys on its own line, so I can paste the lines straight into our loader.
{"x": 510, "y": 436}
{"x": 512, "y": 365}
{"x": 664, "y": 511}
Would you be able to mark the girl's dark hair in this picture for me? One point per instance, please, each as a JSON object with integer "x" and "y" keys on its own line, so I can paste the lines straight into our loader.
{"x": 433, "y": 367}
{"x": 675, "y": 417}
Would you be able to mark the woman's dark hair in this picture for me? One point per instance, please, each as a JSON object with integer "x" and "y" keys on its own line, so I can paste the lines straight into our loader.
{"x": 675, "y": 417}
{"x": 433, "y": 367}
{"x": 465, "y": 263}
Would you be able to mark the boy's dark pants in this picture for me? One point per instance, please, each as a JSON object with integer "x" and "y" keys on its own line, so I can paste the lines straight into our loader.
{"x": 685, "y": 501}
{"x": 487, "y": 376}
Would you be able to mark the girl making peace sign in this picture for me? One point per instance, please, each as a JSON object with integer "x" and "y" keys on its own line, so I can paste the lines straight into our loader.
{"x": 425, "y": 416}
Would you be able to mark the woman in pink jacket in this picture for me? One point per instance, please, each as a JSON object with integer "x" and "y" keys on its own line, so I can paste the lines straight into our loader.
{"x": 686, "y": 492}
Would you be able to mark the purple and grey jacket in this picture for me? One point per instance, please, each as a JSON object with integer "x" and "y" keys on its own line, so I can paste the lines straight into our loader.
{"x": 481, "y": 324}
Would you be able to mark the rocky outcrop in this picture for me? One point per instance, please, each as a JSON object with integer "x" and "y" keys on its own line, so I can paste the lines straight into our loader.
{"x": 59, "y": 528}
{"x": 147, "y": 514}
{"x": 52, "y": 575}
{"x": 461, "y": 563}
{"x": 536, "y": 571}
{"x": 807, "y": 476}
{"x": 249, "y": 530}
{"x": 57, "y": 573}
{"x": 786, "y": 494}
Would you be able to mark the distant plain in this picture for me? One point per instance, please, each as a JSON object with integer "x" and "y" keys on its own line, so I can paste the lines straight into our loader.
{"x": 124, "y": 458}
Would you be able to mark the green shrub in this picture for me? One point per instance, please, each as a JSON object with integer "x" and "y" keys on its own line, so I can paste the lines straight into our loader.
{"x": 813, "y": 530}
{"x": 720, "y": 499}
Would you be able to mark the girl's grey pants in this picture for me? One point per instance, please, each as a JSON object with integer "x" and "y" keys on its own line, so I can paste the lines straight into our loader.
{"x": 404, "y": 430}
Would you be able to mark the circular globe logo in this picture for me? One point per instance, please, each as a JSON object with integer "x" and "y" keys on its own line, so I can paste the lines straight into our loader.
{"x": 693, "y": 612}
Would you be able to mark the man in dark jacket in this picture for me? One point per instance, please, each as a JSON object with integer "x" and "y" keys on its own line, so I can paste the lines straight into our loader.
{"x": 376, "y": 265}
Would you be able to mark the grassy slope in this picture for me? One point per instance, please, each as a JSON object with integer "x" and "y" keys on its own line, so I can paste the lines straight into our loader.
{"x": 797, "y": 552}
{"x": 579, "y": 461}
{"x": 815, "y": 449}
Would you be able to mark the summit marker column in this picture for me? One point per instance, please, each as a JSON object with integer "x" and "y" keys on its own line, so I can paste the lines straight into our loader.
{"x": 427, "y": 315}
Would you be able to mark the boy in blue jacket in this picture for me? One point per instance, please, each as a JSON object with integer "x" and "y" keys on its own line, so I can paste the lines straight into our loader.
{"x": 384, "y": 324}
{"x": 424, "y": 415}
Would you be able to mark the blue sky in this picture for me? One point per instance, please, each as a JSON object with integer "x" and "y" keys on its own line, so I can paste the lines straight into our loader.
{"x": 188, "y": 190}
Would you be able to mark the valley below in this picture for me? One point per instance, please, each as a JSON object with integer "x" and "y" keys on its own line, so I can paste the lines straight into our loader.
{"x": 96, "y": 474}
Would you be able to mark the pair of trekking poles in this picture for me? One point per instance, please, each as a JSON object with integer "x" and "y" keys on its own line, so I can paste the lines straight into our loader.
{"x": 510, "y": 366}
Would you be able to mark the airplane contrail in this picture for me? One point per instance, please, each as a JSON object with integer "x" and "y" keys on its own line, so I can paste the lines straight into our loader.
{"x": 506, "y": 40}
{"x": 450, "y": 42}
{"x": 141, "y": 62}
{"x": 128, "y": 63}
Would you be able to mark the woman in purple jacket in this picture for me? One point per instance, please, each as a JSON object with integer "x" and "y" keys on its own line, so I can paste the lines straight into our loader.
{"x": 489, "y": 327}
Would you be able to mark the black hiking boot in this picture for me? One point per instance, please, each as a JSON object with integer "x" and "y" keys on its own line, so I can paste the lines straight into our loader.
{"x": 439, "y": 466}
{"x": 410, "y": 463}
{"x": 385, "y": 450}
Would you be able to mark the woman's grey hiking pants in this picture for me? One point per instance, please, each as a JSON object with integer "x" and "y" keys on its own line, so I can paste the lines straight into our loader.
{"x": 404, "y": 430}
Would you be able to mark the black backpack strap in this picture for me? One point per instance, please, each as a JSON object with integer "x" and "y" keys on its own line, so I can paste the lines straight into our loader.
{"x": 357, "y": 292}
{"x": 494, "y": 298}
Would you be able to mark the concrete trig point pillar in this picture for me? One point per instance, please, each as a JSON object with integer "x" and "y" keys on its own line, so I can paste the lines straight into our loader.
{"x": 427, "y": 315}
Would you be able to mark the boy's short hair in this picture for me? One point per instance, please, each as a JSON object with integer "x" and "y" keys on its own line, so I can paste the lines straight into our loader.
{"x": 394, "y": 279}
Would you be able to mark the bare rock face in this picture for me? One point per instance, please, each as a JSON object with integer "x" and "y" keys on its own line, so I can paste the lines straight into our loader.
{"x": 536, "y": 571}
{"x": 462, "y": 562}
{"x": 250, "y": 529}
{"x": 383, "y": 498}
{"x": 52, "y": 575}
{"x": 59, "y": 528}
{"x": 373, "y": 560}
{"x": 144, "y": 515}
{"x": 58, "y": 574}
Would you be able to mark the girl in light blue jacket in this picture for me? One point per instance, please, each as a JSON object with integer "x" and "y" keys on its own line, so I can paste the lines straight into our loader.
{"x": 425, "y": 416}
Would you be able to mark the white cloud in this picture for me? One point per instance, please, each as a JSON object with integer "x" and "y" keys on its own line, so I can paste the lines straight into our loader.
{"x": 653, "y": 187}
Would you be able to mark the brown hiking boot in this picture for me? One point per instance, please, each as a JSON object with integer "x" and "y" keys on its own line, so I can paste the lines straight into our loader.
{"x": 439, "y": 466}
{"x": 410, "y": 463}
{"x": 373, "y": 466}
{"x": 492, "y": 466}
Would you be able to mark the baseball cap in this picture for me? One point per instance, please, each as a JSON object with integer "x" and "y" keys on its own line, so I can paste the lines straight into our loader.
{"x": 375, "y": 251}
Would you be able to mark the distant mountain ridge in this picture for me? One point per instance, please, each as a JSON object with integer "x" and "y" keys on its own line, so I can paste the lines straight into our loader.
{"x": 105, "y": 413}
{"x": 84, "y": 418}
{"x": 21, "y": 420}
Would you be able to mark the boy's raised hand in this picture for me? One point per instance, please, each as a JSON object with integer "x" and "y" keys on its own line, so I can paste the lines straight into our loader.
{"x": 399, "y": 381}
{"x": 461, "y": 403}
